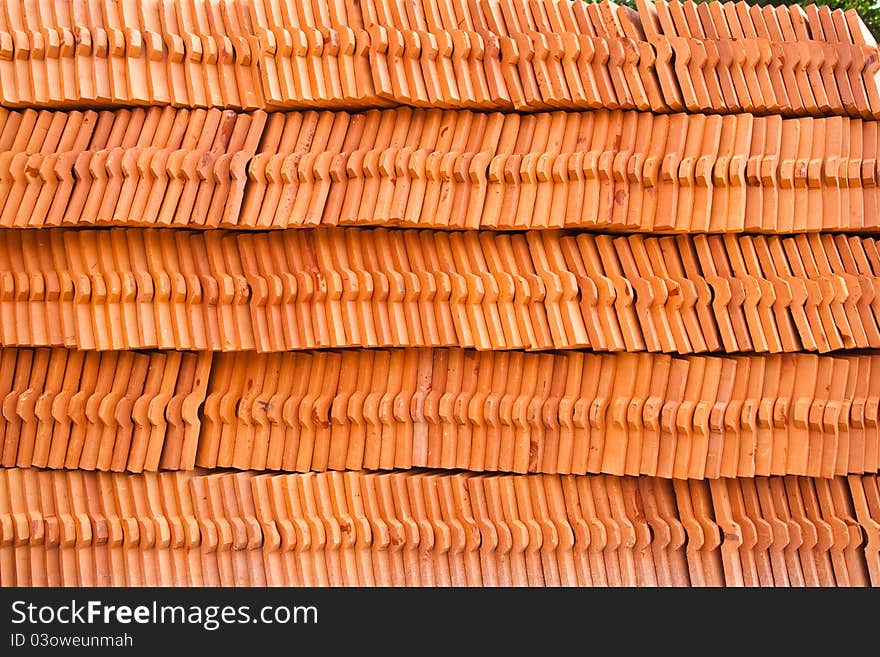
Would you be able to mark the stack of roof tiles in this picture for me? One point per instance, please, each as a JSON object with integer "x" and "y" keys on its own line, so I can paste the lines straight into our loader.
{"x": 438, "y": 293}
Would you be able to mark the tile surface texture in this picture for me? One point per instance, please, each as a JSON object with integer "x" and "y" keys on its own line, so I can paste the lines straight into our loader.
{"x": 438, "y": 293}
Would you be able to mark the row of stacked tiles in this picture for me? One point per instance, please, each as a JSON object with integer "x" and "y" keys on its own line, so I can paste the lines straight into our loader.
{"x": 417, "y": 529}
{"x": 438, "y": 169}
{"x": 695, "y": 417}
{"x": 482, "y": 54}
{"x": 132, "y": 288}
